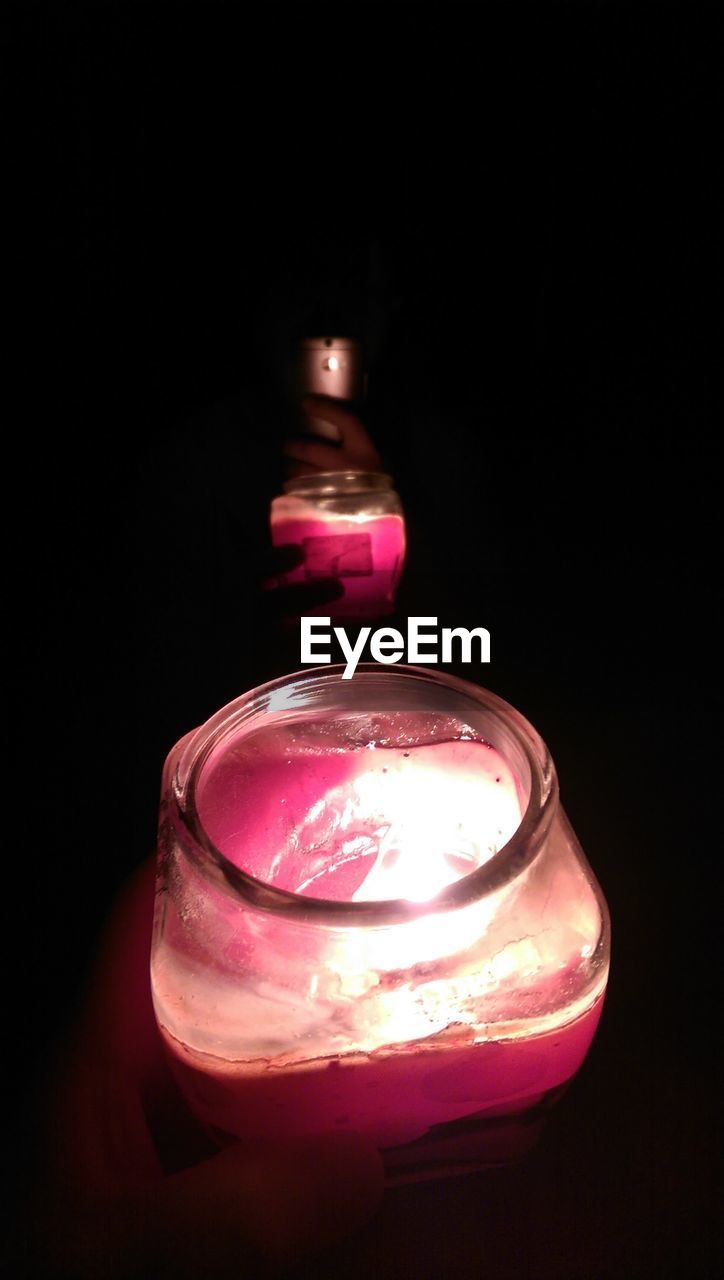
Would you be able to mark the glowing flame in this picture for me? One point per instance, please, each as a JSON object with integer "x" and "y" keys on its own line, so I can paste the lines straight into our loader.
{"x": 440, "y": 824}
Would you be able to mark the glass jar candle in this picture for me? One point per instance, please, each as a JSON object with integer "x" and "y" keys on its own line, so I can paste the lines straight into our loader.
{"x": 373, "y": 914}
{"x": 350, "y": 527}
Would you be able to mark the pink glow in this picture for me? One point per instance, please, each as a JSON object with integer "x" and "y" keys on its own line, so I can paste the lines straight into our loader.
{"x": 365, "y": 553}
{"x": 277, "y": 1027}
{"x": 394, "y": 1096}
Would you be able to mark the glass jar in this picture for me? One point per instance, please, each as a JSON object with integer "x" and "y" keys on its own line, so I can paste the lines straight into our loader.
{"x": 351, "y": 528}
{"x": 373, "y": 914}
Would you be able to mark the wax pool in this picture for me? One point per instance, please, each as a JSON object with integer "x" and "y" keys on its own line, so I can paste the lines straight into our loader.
{"x": 418, "y": 1033}
{"x": 364, "y": 553}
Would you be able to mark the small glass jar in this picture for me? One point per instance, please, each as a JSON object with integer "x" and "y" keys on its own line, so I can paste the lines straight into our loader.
{"x": 351, "y": 528}
{"x": 373, "y": 914}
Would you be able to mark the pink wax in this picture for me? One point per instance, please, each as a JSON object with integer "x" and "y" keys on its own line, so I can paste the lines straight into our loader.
{"x": 472, "y": 1017}
{"x": 395, "y": 1096}
{"x": 365, "y": 554}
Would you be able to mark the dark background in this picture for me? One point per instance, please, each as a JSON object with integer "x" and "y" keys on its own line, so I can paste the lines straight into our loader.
{"x": 513, "y": 208}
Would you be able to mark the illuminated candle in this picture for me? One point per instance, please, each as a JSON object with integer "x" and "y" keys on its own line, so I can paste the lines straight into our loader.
{"x": 350, "y": 527}
{"x": 374, "y": 915}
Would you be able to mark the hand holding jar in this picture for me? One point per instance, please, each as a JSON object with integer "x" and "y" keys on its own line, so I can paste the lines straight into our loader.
{"x": 127, "y": 1184}
{"x": 339, "y": 510}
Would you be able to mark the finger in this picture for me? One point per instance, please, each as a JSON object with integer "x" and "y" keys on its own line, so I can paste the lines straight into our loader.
{"x": 318, "y": 429}
{"x": 355, "y": 449}
{"x": 118, "y": 1013}
{"x": 286, "y": 556}
{"x": 336, "y": 414}
{"x": 90, "y": 1097}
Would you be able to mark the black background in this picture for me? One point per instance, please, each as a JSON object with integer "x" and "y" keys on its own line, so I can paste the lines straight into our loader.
{"x": 514, "y": 208}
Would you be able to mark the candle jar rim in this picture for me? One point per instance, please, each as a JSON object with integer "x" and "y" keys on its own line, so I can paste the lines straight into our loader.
{"x": 323, "y": 483}
{"x": 281, "y": 698}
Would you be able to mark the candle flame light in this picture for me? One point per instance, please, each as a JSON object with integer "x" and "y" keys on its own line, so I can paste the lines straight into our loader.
{"x": 445, "y": 816}
{"x": 448, "y": 1004}
{"x": 441, "y": 827}
{"x": 416, "y": 822}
